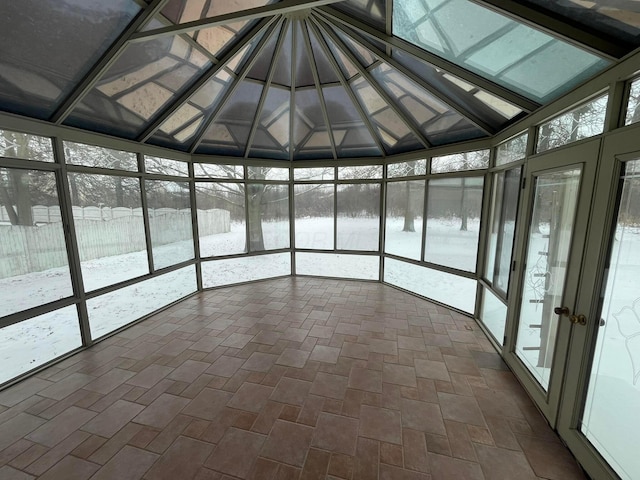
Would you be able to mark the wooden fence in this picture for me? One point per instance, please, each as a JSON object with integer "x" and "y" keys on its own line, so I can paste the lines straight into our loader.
{"x": 25, "y": 249}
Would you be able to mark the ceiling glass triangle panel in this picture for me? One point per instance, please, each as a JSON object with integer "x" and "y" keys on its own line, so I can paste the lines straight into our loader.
{"x": 304, "y": 75}
{"x": 271, "y": 138}
{"x": 310, "y": 136}
{"x": 47, "y": 46}
{"x": 229, "y": 133}
{"x": 347, "y": 68}
{"x": 178, "y": 130}
{"x": 144, "y": 79}
{"x": 347, "y": 125}
{"x": 260, "y": 69}
{"x": 498, "y": 47}
{"x": 282, "y": 74}
{"x": 395, "y": 134}
{"x": 438, "y": 122}
{"x": 326, "y": 72}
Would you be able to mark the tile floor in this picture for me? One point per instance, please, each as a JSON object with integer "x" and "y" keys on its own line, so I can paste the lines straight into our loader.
{"x": 284, "y": 379}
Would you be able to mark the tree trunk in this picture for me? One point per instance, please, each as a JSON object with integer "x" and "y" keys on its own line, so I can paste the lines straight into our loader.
{"x": 409, "y": 216}
{"x": 20, "y": 180}
{"x": 254, "y": 216}
{"x": 5, "y": 199}
{"x": 463, "y": 207}
{"x": 119, "y": 192}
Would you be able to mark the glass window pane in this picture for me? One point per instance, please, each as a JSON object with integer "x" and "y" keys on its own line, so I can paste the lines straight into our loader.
{"x": 222, "y": 225}
{"x": 496, "y": 46}
{"x": 314, "y": 216}
{"x": 169, "y": 222}
{"x": 322, "y": 173}
{"x": 504, "y": 208}
{"x": 107, "y": 214}
{"x": 407, "y": 169}
{"x": 339, "y": 265}
{"x": 548, "y": 247}
{"x": 47, "y": 46}
{"x": 268, "y": 216}
{"x": 245, "y": 269}
{"x": 512, "y": 150}
{"x": 633, "y": 104}
{"x": 358, "y": 222}
{"x": 458, "y": 162}
{"x": 209, "y": 170}
{"x": 356, "y": 173}
{"x": 610, "y": 415}
{"x": 458, "y": 292}
{"x": 582, "y": 122}
{"x": 31, "y": 343}
{"x": 164, "y": 166}
{"x": 453, "y": 221}
{"x": 493, "y": 315}
{"x": 113, "y": 310}
{"x": 34, "y": 268}
{"x": 92, "y": 156}
{"x": 405, "y": 207}
{"x": 268, "y": 173}
{"x": 25, "y": 146}
{"x": 140, "y": 83}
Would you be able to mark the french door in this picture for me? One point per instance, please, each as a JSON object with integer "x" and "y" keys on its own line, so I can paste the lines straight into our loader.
{"x": 599, "y": 411}
{"x": 558, "y": 188}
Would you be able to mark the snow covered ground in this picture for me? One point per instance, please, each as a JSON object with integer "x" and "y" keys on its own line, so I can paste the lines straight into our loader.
{"x": 611, "y": 416}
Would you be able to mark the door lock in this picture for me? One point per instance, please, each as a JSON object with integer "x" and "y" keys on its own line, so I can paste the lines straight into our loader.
{"x": 573, "y": 318}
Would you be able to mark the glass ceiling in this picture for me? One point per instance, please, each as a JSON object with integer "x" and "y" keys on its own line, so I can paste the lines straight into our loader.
{"x": 294, "y": 80}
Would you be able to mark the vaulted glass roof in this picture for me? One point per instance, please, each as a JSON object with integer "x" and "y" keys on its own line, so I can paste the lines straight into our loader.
{"x": 297, "y": 80}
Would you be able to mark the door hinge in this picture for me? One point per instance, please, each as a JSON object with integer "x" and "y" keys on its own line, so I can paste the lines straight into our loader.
{"x": 513, "y": 266}
{"x": 524, "y": 182}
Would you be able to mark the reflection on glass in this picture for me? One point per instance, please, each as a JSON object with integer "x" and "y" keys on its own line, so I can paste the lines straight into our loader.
{"x": 633, "y": 112}
{"x": 268, "y": 216}
{"x": 165, "y": 166}
{"x": 92, "y": 156}
{"x": 314, "y": 216}
{"x": 31, "y": 343}
{"x": 25, "y": 146}
{"x": 610, "y": 419}
{"x": 358, "y": 222}
{"x": 267, "y": 173}
{"x": 113, "y": 310}
{"x": 582, "y": 122}
{"x": 169, "y": 222}
{"x": 222, "y": 225}
{"x": 407, "y": 169}
{"x": 550, "y": 232}
{"x": 245, "y": 269}
{"x": 107, "y": 214}
{"x": 458, "y": 292}
{"x": 209, "y": 170}
{"x": 339, "y": 265}
{"x": 493, "y": 315}
{"x": 34, "y": 268}
{"x": 512, "y": 150}
{"x": 354, "y": 173}
{"x": 504, "y": 208}
{"x": 405, "y": 206}
{"x": 311, "y": 173}
{"x": 453, "y": 221}
{"x": 460, "y": 161}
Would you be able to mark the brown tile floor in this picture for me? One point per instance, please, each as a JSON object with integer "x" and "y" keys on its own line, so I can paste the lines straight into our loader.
{"x": 284, "y": 379}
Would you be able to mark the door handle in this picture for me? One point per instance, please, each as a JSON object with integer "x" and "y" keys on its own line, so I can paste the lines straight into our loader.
{"x": 573, "y": 318}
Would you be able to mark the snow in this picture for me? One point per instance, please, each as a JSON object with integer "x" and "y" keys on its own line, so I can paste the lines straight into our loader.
{"x": 611, "y": 415}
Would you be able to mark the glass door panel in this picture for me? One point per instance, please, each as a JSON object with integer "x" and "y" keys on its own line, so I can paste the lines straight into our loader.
{"x": 611, "y": 416}
{"x": 548, "y": 247}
